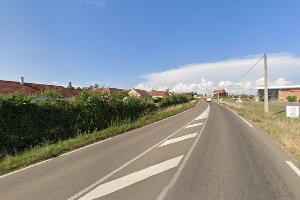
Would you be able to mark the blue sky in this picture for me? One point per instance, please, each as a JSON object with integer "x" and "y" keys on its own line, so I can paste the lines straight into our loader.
{"x": 122, "y": 43}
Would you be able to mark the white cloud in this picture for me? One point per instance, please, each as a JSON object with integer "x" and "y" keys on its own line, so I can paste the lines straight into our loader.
{"x": 279, "y": 82}
{"x": 259, "y": 82}
{"x": 142, "y": 86}
{"x": 204, "y": 87}
{"x": 282, "y": 82}
{"x": 204, "y": 77}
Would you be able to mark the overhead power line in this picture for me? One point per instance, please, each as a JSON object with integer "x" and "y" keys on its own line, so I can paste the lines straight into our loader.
{"x": 249, "y": 69}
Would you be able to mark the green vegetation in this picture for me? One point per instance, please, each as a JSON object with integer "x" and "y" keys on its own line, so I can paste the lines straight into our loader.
{"x": 283, "y": 130}
{"x": 54, "y": 94}
{"x": 169, "y": 100}
{"x": 48, "y": 150}
{"x": 24, "y": 125}
{"x": 291, "y": 98}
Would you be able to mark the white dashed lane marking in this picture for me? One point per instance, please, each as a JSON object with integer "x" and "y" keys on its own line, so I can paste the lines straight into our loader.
{"x": 178, "y": 139}
{"x": 115, "y": 185}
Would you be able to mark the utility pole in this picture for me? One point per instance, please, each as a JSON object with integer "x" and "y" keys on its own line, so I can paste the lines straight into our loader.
{"x": 218, "y": 96}
{"x": 266, "y": 98}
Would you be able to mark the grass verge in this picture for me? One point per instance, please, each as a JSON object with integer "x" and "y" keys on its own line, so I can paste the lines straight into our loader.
{"x": 46, "y": 151}
{"x": 283, "y": 130}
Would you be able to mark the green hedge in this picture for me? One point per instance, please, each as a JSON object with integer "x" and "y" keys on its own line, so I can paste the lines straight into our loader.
{"x": 24, "y": 124}
{"x": 169, "y": 100}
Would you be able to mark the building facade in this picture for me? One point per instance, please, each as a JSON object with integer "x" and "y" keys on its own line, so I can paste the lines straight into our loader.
{"x": 279, "y": 93}
{"x": 219, "y": 93}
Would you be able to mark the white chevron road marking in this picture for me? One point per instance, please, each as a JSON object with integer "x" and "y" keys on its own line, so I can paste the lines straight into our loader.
{"x": 130, "y": 179}
{"x": 178, "y": 139}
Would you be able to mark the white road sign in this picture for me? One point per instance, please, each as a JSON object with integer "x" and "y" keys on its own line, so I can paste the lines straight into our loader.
{"x": 292, "y": 111}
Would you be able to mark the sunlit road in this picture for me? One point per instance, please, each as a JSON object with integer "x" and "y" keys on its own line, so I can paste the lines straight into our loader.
{"x": 208, "y": 152}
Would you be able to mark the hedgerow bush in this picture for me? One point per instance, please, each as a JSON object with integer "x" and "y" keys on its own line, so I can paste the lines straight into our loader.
{"x": 169, "y": 100}
{"x": 24, "y": 124}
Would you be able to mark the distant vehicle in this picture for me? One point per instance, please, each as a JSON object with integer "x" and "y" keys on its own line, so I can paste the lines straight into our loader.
{"x": 239, "y": 100}
{"x": 208, "y": 100}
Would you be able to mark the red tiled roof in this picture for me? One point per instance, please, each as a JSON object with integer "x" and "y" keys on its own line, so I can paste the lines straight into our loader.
{"x": 67, "y": 93}
{"x": 8, "y": 87}
{"x": 219, "y": 91}
{"x": 294, "y": 90}
{"x": 157, "y": 93}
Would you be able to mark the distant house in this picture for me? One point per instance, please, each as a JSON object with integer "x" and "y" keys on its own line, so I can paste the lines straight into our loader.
{"x": 158, "y": 94}
{"x": 9, "y": 87}
{"x": 139, "y": 93}
{"x": 220, "y": 93}
{"x": 108, "y": 91}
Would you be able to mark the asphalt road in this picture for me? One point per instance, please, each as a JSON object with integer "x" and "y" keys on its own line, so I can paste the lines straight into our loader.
{"x": 207, "y": 152}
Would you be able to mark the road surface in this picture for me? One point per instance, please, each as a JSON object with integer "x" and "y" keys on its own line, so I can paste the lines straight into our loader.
{"x": 208, "y": 152}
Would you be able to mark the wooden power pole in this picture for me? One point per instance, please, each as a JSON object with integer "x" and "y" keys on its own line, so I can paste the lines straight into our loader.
{"x": 266, "y": 98}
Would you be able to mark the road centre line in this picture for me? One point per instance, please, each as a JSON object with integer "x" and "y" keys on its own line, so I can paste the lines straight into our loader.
{"x": 115, "y": 185}
{"x": 178, "y": 139}
{"x": 87, "y": 189}
{"x": 294, "y": 168}
{"x": 174, "y": 179}
{"x": 194, "y": 125}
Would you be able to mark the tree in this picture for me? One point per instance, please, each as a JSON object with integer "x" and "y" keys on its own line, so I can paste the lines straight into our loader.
{"x": 70, "y": 87}
{"x": 96, "y": 85}
{"x": 167, "y": 92}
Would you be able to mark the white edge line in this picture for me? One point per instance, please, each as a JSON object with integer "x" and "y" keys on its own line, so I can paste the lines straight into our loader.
{"x": 5, "y": 175}
{"x": 177, "y": 114}
{"x": 89, "y": 188}
{"x": 294, "y": 168}
{"x": 164, "y": 192}
{"x": 39, "y": 163}
{"x": 238, "y": 115}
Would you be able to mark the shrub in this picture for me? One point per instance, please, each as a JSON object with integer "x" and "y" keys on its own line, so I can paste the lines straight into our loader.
{"x": 55, "y": 94}
{"x": 291, "y": 98}
{"x": 169, "y": 100}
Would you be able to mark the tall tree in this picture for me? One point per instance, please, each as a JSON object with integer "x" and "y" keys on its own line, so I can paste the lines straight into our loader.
{"x": 70, "y": 87}
{"x": 96, "y": 85}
